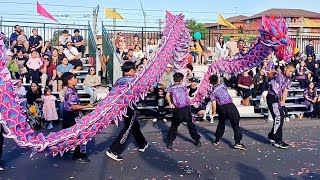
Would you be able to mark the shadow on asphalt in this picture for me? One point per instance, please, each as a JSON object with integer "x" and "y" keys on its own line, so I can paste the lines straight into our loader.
{"x": 249, "y": 173}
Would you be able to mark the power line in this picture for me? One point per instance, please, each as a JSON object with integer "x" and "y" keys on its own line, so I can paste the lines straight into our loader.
{"x": 57, "y": 5}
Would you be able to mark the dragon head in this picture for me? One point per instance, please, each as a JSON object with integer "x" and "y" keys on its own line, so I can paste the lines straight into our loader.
{"x": 274, "y": 32}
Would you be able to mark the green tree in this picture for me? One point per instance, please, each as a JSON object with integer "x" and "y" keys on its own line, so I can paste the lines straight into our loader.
{"x": 55, "y": 38}
{"x": 198, "y": 27}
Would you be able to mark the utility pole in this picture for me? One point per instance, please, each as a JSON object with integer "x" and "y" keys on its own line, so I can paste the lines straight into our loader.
{"x": 95, "y": 19}
{"x": 160, "y": 24}
{"x": 144, "y": 15}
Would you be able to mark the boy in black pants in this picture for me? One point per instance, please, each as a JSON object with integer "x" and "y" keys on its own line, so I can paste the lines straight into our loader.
{"x": 161, "y": 105}
{"x": 276, "y": 98}
{"x": 226, "y": 110}
{"x": 181, "y": 110}
{"x": 71, "y": 111}
{"x": 131, "y": 124}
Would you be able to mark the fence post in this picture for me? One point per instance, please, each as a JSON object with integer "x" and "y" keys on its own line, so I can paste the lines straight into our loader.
{"x": 142, "y": 40}
{"x": 44, "y": 33}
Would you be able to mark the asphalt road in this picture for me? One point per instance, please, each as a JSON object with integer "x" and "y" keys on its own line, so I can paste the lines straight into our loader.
{"x": 260, "y": 162}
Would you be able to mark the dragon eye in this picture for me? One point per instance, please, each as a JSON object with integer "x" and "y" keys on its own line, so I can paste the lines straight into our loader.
{"x": 273, "y": 38}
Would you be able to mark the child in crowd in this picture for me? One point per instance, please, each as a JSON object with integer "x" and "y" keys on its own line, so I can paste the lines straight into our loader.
{"x": 161, "y": 105}
{"x": 34, "y": 63}
{"x": 61, "y": 97}
{"x": 181, "y": 110}
{"x": 49, "y": 107}
{"x": 226, "y": 110}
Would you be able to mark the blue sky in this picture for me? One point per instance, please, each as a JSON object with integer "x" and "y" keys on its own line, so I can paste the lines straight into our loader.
{"x": 201, "y": 10}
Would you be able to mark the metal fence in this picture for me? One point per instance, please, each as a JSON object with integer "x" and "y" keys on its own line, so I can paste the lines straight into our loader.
{"x": 303, "y": 40}
{"x": 48, "y": 31}
{"x": 144, "y": 34}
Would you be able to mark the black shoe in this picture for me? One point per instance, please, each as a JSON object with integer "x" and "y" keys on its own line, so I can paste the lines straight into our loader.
{"x": 198, "y": 143}
{"x": 240, "y": 146}
{"x": 82, "y": 160}
{"x": 216, "y": 142}
{"x": 170, "y": 144}
{"x": 271, "y": 138}
{"x": 281, "y": 145}
{"x": 144, "y": 148}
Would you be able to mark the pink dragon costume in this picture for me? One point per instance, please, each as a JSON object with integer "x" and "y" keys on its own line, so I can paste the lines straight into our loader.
{"x": 273, "y": 38}
{"x": 175, "y": 41}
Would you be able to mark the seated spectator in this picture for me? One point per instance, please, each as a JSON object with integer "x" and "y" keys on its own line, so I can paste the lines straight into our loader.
{"x": 260, "y": 82}
{"x": 232, "y": 47}
{"x": 222, "y": 48}
{"x": 73, "y": 56}
{"x": 64, "y": 38}
{"x": 20, "y": 45}
{"x": 189, "y": 71}
{"x": 55, "y": 57}
{"x": 131, "y": 57}
{"x": 14, "y": 35}
{"x": 167, "y": 78}
{"x": 245, "y": 84}
{"x": 61, "y": 54}
{"x": 21, "y": 60}
{"x": 301, "y": 74}
{"x": 34, "y": 63}
{"x": 122, "y": 45}
{"x": 311, "y": 100}
{"x": 117, "y": 43}
{"x": 136, "y": 41}
{"x": 46, "y": 49}
{"x": 35, "y": 41}
{"x": 138, "y": 53}
{"x": 65, "y": 66}
{"x": 310, "y": 63}
{"x": 49, "y": 74}
{"x": 78, "y": 42}
{"x": 21, "y": 92}
{"x": 90, "y": 82}
{"x": 151, "y": 45}
{"x": 26, "y": 40}
{"x": 316, "y": 75}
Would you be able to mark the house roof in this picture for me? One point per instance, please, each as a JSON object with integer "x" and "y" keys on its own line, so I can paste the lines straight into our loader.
{"x": 286, "y": 13}
{"x": 233, "y": 19}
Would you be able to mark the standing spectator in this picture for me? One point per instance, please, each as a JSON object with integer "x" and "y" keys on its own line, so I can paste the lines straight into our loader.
{"x": 73, "y": 56}
{"x": 167, "y": 78}
{"x": 20, "y": 45}
{"x": 21, "y": 92}
{"x": 316, "y": 75}
{"x": 311, "y": 100}
{"x": 263, "y": 103}
{"x": 204, "y": 52}
{"x": 49, "y": 108}
{"x": 64, "y": 38}
{"x": 222, "y": 48}
{"x": 14, "y": 35}
{"x": 90, "y": 82}
{"x": 78, "y": 42}
{"x": 245, "y": 84}
{"x": 117, "y": 42}
{"x": 194, "y": 53}
{"x": 34, "y": 105}
{"x": 310, "y": 64}
{"x": 34, "y": 63}
{"x": 46, "y": 49}
{"x": 49, "y": 74}
{"x": 64, "y": 67}
{"x": 61, "y": 97}
{"x": 232, "y": 46}
{"x": 301, "y": 74}
{"x": 161, "y": 105}
{"x": 104, "y": 61}
{"x": 200, "y": 52}
{"x": 136, "y": 41}
{"x": 310, "y": 49}
{"x": 35, "y": 41}
{"x": 122, "y": 45}
{"x": 240, "y": 44}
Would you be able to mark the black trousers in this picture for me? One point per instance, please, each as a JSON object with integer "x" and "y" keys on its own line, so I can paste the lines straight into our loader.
{"x": 246, "y": 92}
{"x": 1, "y": 141}
{"x": 69, "y": 119}
{"x": 228, "y": 111}
{"x": 35, "y": 74}
{"x": 182, "y": 115}
{"x": 277, "y": 113}
{"x": 131, "y": 126}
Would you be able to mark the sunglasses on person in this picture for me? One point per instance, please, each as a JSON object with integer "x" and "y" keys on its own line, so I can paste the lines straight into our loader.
{"x": 46, "y": 58}
{"x": 92, "y": 70}
{"x": 69, "y": 44}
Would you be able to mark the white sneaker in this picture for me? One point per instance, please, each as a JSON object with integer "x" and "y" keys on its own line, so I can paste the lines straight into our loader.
{"x": 287, "y": 119}
{"x": 164, "y": 120}
{"x": 269, "y": 120}
{"x": 211, "y": 121}
{"x": 154, "y": 120}
{"x": 113, "y": 156}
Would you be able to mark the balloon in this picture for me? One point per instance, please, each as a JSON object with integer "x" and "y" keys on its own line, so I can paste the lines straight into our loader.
{"x": 197, "y": 35}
